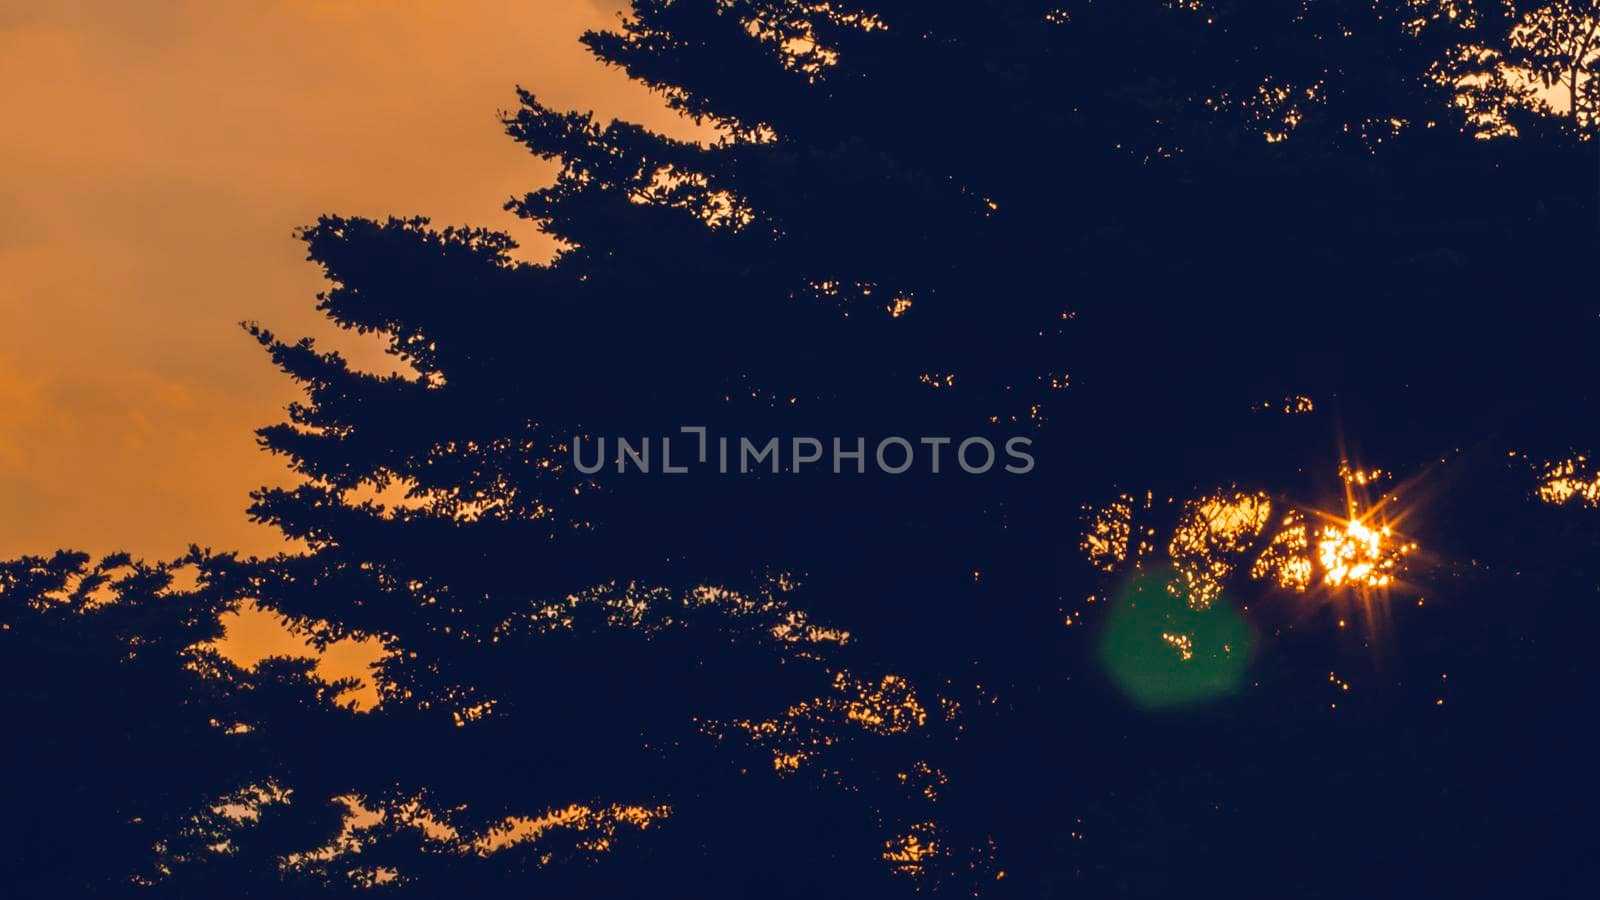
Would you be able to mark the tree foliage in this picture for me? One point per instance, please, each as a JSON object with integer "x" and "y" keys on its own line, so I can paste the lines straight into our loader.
{"x": 1115, "y": 228}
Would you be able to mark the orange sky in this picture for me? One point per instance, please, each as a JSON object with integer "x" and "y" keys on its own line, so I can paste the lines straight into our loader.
{"x": 156, "y": 159}
{"x": 158, "y": 156}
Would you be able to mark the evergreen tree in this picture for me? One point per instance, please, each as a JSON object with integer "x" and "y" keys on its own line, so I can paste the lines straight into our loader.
{"x": 1135, "y": 233}
{"x": 138, "y": 759}
{"x": 1113, "y": 228}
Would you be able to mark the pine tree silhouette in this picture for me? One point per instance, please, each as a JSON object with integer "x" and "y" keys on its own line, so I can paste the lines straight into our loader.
{"x": 1134, "y": 233}
{"x": 140, "y": 760}
{"x": 1242, "y": 213}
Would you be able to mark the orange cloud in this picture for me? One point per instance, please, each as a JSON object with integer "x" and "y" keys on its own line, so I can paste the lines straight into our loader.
{"x": 158, "y": 157}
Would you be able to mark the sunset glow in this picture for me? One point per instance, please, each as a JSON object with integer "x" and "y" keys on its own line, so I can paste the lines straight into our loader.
{"x": 723, "y": 449}
{"x": 1359, "y": 556}
{"x": 1352, "y": 559}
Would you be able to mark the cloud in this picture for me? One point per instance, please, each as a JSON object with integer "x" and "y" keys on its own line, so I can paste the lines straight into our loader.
{"x": 169, "y": 149}
{"x": 149, "y": 24}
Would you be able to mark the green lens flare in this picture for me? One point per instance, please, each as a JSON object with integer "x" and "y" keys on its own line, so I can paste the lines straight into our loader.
{"x": 1163, "y": 654}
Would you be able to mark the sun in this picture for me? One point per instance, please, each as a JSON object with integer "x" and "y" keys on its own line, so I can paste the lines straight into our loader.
{"x": 1357, "y": 555}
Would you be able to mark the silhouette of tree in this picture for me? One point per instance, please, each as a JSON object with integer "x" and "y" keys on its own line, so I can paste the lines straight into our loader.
{"x": 1183, "y": 208}
{"x": 1184, "y": 248}
{"x": 137, "y": 757}
{"x": 1558, "y": 44}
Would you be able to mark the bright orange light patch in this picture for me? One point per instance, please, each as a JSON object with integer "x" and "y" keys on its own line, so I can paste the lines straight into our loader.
{"x": 1569, "y": 480}
{"x": 1359, "y": 556}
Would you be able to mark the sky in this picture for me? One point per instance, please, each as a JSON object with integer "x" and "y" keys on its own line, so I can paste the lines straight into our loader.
{"x": 159, "y": 156}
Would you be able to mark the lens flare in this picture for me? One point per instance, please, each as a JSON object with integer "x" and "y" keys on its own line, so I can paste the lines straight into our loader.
{"x": 1349, "y": 560}
{"x": 1357, "y": 555}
